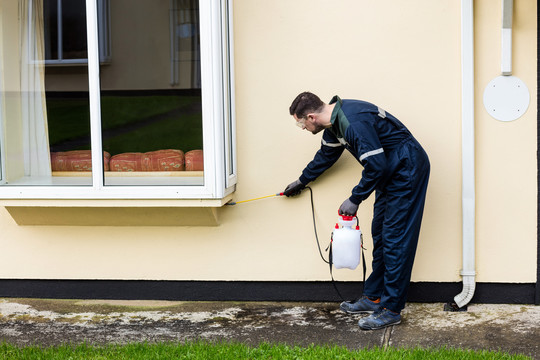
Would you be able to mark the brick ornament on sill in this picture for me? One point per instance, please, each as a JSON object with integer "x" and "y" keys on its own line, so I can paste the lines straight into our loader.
{"x": 160, "y": 160}
{"x": 76, "y": 160}
{"x": 194, "y": 160}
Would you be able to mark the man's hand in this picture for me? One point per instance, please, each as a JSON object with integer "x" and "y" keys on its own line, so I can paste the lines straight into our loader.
{"x": 348, "y": 208}
{"x": 294, "y": 188}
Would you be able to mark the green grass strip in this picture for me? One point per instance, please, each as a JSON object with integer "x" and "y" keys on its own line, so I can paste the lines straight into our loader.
{"x": 205, "y": 350}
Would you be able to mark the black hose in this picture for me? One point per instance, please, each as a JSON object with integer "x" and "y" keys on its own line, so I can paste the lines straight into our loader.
{"x": 329, "y": 261}
{"x": 315, "y": 225}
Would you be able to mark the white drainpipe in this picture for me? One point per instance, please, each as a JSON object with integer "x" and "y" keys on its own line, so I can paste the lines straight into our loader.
{"x": 468, "y": 272}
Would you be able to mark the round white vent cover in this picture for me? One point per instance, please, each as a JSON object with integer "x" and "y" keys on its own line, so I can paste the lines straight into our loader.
{"x": 506, "y": 98}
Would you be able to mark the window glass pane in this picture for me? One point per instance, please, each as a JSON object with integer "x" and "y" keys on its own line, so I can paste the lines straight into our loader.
{"x": 50, "y": 18}
{"x": 74, "y": 29}
{"x": 65, "y": 31}
{"x": 46, "y": 139}
{"x": 151, "y": 94}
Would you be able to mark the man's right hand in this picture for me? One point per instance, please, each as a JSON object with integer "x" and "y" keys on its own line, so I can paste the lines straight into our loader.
{"x": 294, "y": 188}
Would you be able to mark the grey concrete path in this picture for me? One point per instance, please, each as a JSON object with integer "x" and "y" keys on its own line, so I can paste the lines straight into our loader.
{"x": 510, "y": 328}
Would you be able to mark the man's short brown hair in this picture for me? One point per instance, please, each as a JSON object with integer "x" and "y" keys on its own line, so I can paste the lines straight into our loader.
{"x": 306, "y": 103}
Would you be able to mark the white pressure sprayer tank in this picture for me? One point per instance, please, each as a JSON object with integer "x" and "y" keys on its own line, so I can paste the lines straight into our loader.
{"x": 346, "y": 243}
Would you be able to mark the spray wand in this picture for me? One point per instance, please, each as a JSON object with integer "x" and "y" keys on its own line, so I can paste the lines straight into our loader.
{"x": 259, "y": 198}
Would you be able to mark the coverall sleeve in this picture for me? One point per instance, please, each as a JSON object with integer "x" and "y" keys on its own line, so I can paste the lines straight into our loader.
{"x": 371, "y": 155}
{"x": 331, "y": 149}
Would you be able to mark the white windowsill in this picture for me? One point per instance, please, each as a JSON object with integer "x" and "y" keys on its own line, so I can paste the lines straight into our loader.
{"x": 140, "y": 203}
{"x": 84, "y": 178}
{"x": 115, "y": 212}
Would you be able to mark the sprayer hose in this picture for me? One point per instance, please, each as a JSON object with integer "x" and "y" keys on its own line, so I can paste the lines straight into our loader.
{"x": 315, "y": 225}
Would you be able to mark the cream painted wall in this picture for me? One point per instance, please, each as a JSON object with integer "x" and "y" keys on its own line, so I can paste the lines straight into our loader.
{"x": 506, "y": 152}
{"x": 389, "y": 53}
{"x": 403, "y": 56}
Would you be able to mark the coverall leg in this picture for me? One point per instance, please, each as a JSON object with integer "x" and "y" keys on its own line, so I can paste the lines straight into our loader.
{"x": 374, "y": 285}
{"x": 397, "y": 218}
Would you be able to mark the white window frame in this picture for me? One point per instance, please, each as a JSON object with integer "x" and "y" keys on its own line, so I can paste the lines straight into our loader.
{"x": 218, "y": 122}
{"x": 2, "y": 116}
{"x": 104, "y": 37}
{"x": 229, "y": 94}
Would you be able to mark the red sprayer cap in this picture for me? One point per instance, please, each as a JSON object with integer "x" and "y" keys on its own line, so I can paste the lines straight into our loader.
{"x": 347, "y": 217}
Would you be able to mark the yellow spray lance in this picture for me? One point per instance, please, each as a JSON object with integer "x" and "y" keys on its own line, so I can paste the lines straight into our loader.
{"x": 259, "y": 198}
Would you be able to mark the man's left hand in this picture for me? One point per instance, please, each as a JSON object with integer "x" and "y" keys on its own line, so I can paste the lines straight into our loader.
{"x": 348, "y": 208}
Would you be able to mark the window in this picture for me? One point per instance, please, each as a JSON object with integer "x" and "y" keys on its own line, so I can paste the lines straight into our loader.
{"x": 65, "y": 31}
{"x": 156, "y": 121}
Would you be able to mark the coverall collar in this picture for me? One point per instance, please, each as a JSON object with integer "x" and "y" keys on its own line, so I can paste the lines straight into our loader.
{"x": 339, "y": 121}
{"x": 337, "y": 100}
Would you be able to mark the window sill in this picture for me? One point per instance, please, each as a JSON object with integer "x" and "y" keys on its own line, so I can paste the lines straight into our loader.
{"x": 130, "y": 178}
{"x": 130, "y": 173}
{"x": 76, "y": 178}
{"x": 72, "y": 63}
{"x": 115, "y": 212}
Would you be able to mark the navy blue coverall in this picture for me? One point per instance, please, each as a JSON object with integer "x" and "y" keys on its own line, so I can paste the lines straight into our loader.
{"x": 397, "y": 168}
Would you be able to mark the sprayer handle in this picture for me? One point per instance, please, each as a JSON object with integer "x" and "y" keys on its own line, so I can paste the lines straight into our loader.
{"x": 347, "y": 217}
